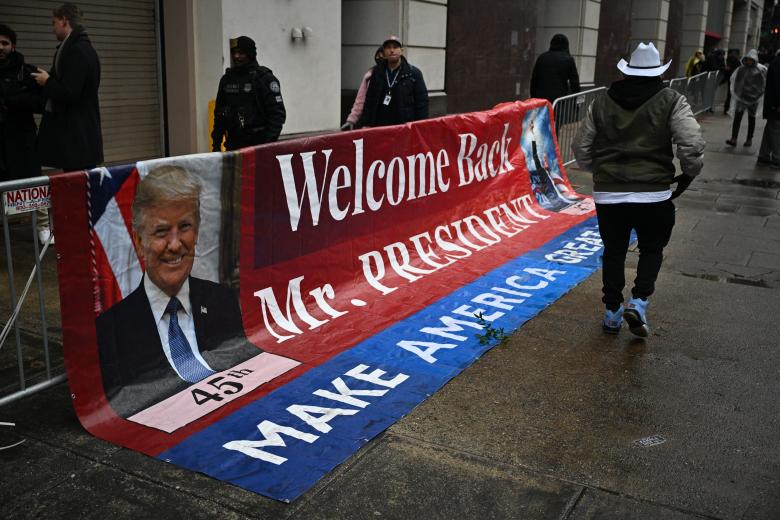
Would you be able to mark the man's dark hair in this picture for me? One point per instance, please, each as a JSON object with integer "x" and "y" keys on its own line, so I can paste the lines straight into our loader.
{"x": 72, "y": 13}
{"x": 8, "y": 32}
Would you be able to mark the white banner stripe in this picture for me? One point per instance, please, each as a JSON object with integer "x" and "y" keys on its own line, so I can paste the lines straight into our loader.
{"x": 112, "y": 232}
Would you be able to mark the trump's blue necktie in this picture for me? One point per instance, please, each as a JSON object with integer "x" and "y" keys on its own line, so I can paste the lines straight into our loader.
{"x": 184, "y": 360}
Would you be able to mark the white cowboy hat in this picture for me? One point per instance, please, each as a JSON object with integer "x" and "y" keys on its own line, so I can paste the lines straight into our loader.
{"x": 645, "y": 61}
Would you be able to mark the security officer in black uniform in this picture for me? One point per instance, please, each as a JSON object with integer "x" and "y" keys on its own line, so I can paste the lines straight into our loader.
{"x": 249, "y": 106}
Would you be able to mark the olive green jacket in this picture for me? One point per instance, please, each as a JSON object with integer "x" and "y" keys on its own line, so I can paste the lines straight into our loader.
{"x": 632, "y": 150}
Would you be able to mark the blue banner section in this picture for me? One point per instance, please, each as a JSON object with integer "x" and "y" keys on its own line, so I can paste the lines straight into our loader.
{"x": 282, "y": 444}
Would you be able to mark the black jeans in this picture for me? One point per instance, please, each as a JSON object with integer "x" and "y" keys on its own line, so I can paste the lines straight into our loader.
{"x": 653, "y": 223}
{"x": 739, "y": 109}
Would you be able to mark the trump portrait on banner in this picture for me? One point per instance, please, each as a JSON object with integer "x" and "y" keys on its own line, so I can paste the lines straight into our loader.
{"x": 173, "y": 330}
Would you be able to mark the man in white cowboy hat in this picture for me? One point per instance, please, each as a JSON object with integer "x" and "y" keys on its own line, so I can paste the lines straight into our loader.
{"x": 627, "y": 142}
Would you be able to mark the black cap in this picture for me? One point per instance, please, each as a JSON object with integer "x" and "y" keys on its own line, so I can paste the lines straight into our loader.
{"x": 245, "y": 44}
{"x": 8, "y": 32}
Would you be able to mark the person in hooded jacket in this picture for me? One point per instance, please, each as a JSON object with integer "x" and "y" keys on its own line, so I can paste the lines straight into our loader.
{"x": 19, "y": 99}
{"x": 626, "y": 140}
{"x": 249, "y": 108}
{"x": 715, "y": 61}
{"x": 732, "y": 63}
{"x": 555, "y": 73}
{"x": 695, "y": 64}
{"x": 70, "y": 137}
{"x": 747, "y": 87}
{"x": 396, "y": 91}
{"x": 769, "y": 153}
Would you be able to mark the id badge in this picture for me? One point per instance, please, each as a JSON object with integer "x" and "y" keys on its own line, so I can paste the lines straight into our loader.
{"x": 387, "y": 100}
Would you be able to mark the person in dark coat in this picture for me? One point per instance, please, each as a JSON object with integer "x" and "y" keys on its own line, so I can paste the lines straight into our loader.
{"x": 249, "y": 109}
{"x": 747, "y": 88}
{"x": 396, "y": 91}
{"x": 19, "y": 99}
{"x": 555, "y": 73}
{"x": 70, "y": 137}
{"x": 554, "y": 76}
{"x": 733, "y": 62}
{"x": 769, "y": 153}
{"x": 715, "y": 61}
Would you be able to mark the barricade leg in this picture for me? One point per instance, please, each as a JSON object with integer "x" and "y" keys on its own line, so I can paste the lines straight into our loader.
{"x": 12, "y": 294}
{"x": 39, "y": 282}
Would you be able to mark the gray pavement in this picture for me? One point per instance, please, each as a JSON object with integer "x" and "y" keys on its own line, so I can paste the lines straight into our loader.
{"x": 547, "y": 425}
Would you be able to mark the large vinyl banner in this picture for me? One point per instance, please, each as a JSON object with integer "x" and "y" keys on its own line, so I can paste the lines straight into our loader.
{"x": 259, "y": 315}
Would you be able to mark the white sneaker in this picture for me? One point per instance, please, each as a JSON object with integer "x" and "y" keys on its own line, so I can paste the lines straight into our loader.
{"x": 45, "y": 235}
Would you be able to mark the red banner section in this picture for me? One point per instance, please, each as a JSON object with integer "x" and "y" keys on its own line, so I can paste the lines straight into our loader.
{"x": 329, "y": 241}
{"x": 361, "y": 220}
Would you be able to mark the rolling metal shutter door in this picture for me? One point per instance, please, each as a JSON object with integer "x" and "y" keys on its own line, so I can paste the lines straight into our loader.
{"x": 124, "y": 35}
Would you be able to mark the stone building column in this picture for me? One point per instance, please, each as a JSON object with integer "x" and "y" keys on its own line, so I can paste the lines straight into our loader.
{"x": 648, "y": 23}
{"x": 728, "y": 11}
{"x": 754, "y": 27}
{"x": 746, "y": 25}
{"x": 740, "y": 20}
{"x": 694, "y": 25}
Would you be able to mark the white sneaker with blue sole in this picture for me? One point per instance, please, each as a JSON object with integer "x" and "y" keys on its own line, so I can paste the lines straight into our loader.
{"x": 636, "y": 317}
{"x": 613, "y": 320}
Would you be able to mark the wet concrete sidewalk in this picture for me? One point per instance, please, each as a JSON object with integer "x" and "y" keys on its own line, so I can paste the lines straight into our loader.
{"x": 559, "y": 422}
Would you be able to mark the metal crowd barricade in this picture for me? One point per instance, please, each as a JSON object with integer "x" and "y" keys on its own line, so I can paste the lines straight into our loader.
{"x": 23, "y": 196}
{"x": 700, "y": 90}
{"x": 569, "y": 112}
{"x": 711, "y": 88}
{"x": 695, "y": 92}
{"x": 679, "y": 85}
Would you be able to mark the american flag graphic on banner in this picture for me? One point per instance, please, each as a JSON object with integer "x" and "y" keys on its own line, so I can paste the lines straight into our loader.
{"x": 117, "y": 268}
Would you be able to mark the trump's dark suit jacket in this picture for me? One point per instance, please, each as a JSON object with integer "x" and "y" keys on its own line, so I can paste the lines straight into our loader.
{"x": 136, "y": 373}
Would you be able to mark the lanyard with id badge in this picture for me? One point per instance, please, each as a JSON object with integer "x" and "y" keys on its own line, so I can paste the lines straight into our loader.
{"x": 390, "y": 85}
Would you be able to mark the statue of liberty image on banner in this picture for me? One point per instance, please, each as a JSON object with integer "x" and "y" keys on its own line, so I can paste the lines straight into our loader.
{"x": 547, "y": 183}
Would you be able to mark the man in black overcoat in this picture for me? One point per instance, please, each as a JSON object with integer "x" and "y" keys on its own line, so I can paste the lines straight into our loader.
{"x": 70, "y": 137}
{"x": 555, "y": 73}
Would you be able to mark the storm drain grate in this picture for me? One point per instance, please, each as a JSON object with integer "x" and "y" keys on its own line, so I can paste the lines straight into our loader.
{"x": 729, "y": 279}
{"x": 758, "y": 183}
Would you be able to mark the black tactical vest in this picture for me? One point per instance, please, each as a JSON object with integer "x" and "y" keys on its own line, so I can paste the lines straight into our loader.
{"x": 244, "y": 115}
